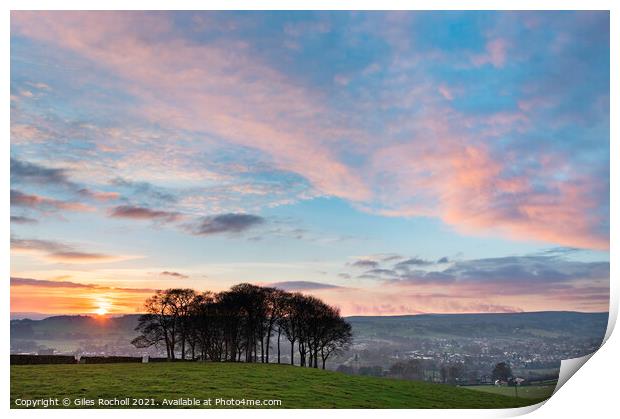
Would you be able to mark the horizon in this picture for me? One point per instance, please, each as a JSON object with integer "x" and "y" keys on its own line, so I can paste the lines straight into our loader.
{"x": 390, "y": 163}
{"x": 116, "y": 315}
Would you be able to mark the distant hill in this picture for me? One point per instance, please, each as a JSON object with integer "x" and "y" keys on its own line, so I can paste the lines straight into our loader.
{"x": 63, "y": 331}
{"x": 484, "y": 325}
{"x": 18, "y": 315}
{"x": 555, "y": 324}
{"x": 73, "y": 327}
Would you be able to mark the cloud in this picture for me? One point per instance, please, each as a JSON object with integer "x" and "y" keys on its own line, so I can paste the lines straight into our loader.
{"x": 174, "y": 274}
{"x": 380, "y": 272}
{"x": 32, "y": 173}
{"x": 477, "y": 189}
{"x": 381, "y": 257}
{"x": 44, "y": 283}
{"x": 491, "y": 162}
{"x": 226, "y": 223}
{"x": 99, "y": 196}
{"x": 527, "y": 269}
{"x": 141, "y": 213}
{"x": 446, "y": 92}
{"x": 415, "y": 261}
{"x": 38, "y": 202}
{"x": 15, "y": 282}
{"x": 18, "y": 219}
{"x": 495, "y": 54}
{"x": 235, "y": 97}
{"x": 526, "y": 273}
{"x": 145, "y": 190}
{"x": 560, "y": 251}
{"x": 22, "y": 171}
{"x": 383, "y": 309}
{"x": 302, "y": 285}
{"x": 58, "y": 252}
{"x": 372, "y": 264}
{"x": 365, "y": 263}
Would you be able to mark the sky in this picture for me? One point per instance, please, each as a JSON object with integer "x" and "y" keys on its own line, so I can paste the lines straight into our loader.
{"x": 386, "y": 162}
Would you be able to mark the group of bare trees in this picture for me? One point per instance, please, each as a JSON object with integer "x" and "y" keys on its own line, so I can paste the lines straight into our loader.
{"x": 242, "y": 324}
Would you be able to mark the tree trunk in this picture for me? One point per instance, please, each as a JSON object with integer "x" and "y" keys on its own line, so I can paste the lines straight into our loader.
{"x": 279, "y": 332}
{"x": 302, "y": 355}
{"x": 167, "y": 348}
{"x": 268, "y": 343}
{"x": 292, "y": 353}
{"x": 183, "y": 346}
{"x": 173, "y": 345}
{"x": 255, "y": 350}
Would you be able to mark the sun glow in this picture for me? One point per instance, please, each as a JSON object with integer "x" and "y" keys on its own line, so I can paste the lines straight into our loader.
{"x": 102, "y": 304}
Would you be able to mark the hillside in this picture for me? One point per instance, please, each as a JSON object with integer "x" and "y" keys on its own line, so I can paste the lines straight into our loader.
{"x": 296, "y": 387}
{"x": 556, "y": 324}
{"x": 561, "y": 324}
{"x": 535, "y": 342}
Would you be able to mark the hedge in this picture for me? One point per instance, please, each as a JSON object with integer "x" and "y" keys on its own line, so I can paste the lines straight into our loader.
{"x": 42, "y": 359}
{"x": 108, "y": 359}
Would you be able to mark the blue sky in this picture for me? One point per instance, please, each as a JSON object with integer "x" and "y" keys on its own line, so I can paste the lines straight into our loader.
{"x": 285, "y": 147}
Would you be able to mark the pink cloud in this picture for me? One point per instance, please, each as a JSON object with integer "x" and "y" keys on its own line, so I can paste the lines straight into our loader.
{"x": 57, "y": 252}
{"x": 445, "y": 92}
{"x": 42, "y": 203}
{"x": 142, "y": 213}
{"x": 460, "y": 298}
{"x": 495, "y": 54}
{"x": 235, "y": 96}
{"x": 447, "y": 173}
{"x": 104, "y": 196}
{"x": 442, "y": 172}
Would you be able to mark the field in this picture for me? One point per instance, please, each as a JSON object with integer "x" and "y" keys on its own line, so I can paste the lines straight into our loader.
{"x": 526, "y": 392}
{"x": 295, "y": 387}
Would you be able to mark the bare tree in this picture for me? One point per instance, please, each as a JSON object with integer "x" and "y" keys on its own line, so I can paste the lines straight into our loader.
{"x": 239, "y": 324}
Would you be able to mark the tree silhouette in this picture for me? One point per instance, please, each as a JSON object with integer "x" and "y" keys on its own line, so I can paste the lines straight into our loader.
{"x": 238, "y": 324}
{"x": 502, "y": 371}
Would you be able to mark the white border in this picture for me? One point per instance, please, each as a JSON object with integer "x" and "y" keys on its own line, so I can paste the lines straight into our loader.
{"x": 592, "y": 394}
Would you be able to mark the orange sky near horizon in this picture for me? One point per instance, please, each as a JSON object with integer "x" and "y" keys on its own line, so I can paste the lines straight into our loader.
{"x": 95, "y": 299}
{"x": 60, "y": 300}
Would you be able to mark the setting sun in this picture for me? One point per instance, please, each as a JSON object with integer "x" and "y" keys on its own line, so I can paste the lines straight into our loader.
{"x": 101, "y": 311}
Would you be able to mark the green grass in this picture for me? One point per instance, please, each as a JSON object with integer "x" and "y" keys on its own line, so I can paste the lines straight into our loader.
{"x": 295, "y": 387}
{"x": 526, "y": 392}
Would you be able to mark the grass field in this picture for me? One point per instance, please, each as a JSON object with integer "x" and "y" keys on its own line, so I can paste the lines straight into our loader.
{"x": 527, "y": 392}
{"x": 295, "y": 387}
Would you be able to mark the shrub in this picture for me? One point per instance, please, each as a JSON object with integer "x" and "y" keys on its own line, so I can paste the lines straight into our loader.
{"x": 108, "y": 359}
{"x": 42, "y": 359}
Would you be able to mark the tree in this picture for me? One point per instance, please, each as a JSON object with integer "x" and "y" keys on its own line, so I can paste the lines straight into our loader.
{"x": 275, "y": 307}
{"x": 157, "y": 324}
{"x": 167, "y": 320}
{"x": 337, "y": 336}
{"x": 289, "y": 322}
{"x": 179, "y": 301}
{"x": 502, "y": 371}
{"x": 412, "y": 369}
{"x": 151, "y": 332}
{"x": 239, "y": 323}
